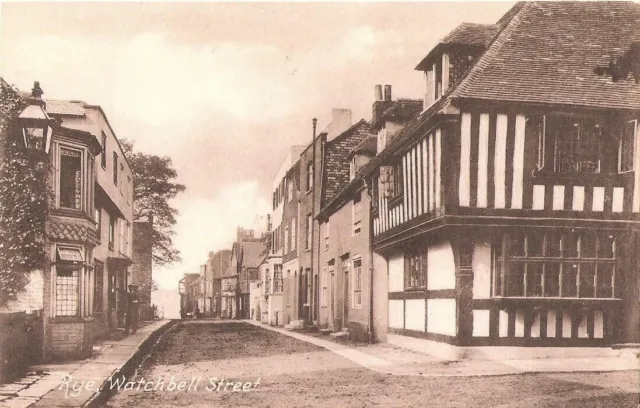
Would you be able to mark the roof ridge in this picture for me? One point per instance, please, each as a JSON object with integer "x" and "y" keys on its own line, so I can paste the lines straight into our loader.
{"x": 493, "y": 48}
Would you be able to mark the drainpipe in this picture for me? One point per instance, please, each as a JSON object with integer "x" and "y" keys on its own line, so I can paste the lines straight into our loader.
{"x": 370, "y": 237}
{"x": 313, "y": 212}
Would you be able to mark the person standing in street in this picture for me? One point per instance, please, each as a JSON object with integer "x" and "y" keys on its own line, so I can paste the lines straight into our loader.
{"x": 132, "y": 310}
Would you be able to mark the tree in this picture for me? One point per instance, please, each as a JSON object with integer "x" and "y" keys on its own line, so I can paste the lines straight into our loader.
{"x": 154, "y": 185}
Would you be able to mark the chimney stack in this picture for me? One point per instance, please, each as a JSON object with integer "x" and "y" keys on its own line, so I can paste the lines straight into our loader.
{"x": 378, "y": 92}
{"x": 381, "y": 103}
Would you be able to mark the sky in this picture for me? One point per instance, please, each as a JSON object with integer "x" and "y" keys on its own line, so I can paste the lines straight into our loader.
{"x": 224, "y": 89}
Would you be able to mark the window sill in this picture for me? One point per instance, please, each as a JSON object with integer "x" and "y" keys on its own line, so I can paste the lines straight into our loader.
{"x": 71, "y": 319}
{"x": 416, "y": 289}
{"x": 553, "y": 176}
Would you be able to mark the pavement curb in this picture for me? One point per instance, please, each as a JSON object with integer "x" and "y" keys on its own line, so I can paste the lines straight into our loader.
{"x": 129, "y": 366}
{"x": 373, "y": 363}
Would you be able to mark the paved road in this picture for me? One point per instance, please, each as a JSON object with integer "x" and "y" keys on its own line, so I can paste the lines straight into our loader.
{"x": 199, "y": 363}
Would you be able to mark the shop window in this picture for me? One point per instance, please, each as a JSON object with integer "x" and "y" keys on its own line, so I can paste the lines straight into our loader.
{"x": 571, "y": 264}
{"x": 70, "y": 178}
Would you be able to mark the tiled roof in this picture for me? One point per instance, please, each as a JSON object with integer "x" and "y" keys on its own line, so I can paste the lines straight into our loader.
{"x": 400, "y": 110}
{"x": 252, "y": 253}
{"x": 336, "y": 159}
{"x": 468, "y": 34}
{"x": 69, "y": 229}
{"x": 368, "y": 145}
{"x": 72, "y": 108}
{"x": 471, "y": 34}
{"x": 548, "y": 51}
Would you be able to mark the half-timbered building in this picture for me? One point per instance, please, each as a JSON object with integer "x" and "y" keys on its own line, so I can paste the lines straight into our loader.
{"x": 507, "y": 212}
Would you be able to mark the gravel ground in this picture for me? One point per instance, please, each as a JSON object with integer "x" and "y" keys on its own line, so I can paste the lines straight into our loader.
{"x": 293, "y": 373}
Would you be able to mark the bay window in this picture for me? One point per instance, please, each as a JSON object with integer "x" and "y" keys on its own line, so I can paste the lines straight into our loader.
{"x": 277, "y": 278}
{"x": 70, "y": 178}
{"x": 553, "y": 264}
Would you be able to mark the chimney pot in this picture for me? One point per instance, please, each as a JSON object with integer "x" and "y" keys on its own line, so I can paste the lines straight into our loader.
{"x": 387, "y": 92}
{"x": 378, "y": 92}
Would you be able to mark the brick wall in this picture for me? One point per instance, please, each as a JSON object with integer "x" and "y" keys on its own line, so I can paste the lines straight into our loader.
{"x": 71, "y": 339}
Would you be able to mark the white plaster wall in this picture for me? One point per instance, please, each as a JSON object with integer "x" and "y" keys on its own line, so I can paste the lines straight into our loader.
{"x": 481, "y": 323}
{"x": 396, "y": 314}
{"x": 396, "y": 273}
{"x": 380, "y": 296}
{"x": 441, "y": 269}
{"x": 31, "y": 298}
{"x": 441, "y": 316}
{"x": 481, "y": 265}
{"x": 414, "y": 314}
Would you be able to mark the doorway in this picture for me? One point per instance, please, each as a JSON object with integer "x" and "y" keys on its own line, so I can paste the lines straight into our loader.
{"x": 345, "y": 298}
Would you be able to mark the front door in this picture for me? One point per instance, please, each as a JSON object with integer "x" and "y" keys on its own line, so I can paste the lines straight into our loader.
{"x": 332, "y": 303}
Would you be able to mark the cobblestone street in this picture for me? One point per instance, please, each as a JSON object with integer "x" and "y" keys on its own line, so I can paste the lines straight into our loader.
{"x": 277, "y": 370}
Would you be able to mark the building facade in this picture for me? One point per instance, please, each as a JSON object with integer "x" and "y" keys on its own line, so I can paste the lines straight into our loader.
{"x": 88, "y": 229}
{"x": 506, "y": 212}
{"x": 273, "y": 277}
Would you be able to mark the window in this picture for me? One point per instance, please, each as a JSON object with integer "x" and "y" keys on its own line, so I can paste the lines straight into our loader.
{"x": 627, "y": 146}
{"x": 577, "y": 144}
{"x": 352, "y": 169}
{"x": 555, "y": 265}
{"x": 70, "y": 178}
{"x": 98, "y": 220}
{"x": 98, "y": 286}
{"x": 286, "y": 239}
{"x": 123, "y": 187}
{"x": 325, "y": 293}
{"x": 126, "y": 238}
{"x": 103, "y": 158}
{"x": 277, "y": 278}
{"x": 309, "y": 176}
{"x": 357, "y": 282}
{"x": 326, "y": 236}
{"x": 67, "y": 290}
{"x": 129, "y": 190}
{"x": 375, "y": 192}
{"x": 290, "y": 186}
{"x": 415, "y": 266}
{"x": 294, "y": 227}
{"x": 538, "y": 124}
{"x": 356, "y": 215}
{"x": 115, "y": 168}
{"x": 112, "y": 231}
{"x": 309, "y": 230}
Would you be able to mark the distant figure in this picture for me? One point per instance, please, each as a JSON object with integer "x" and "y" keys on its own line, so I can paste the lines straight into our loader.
{"x": 133, "y": 312}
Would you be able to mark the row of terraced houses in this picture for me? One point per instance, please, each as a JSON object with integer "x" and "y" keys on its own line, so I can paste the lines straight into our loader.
{"x": 500, "y": 210}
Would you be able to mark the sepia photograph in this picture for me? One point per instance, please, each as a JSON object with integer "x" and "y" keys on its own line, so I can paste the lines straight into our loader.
{"x": 320, "y": 204}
